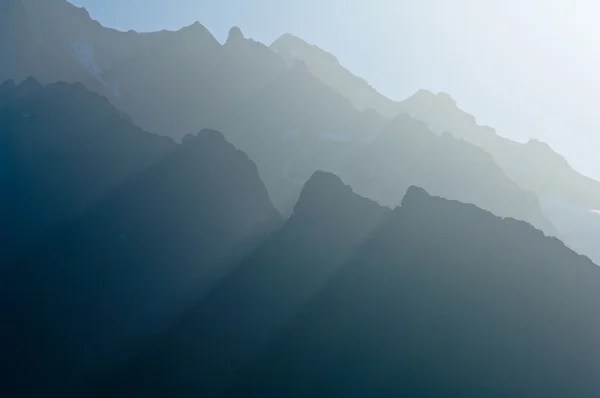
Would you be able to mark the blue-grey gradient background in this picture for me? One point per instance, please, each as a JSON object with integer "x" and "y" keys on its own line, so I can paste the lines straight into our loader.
{"x": 528, "y": 68}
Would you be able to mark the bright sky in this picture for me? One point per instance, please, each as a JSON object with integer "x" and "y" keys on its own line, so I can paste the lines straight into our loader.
{"x": 529, "y": 68}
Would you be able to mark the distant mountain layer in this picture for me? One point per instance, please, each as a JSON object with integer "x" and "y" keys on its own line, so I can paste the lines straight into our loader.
{"x": 288, "y": 121}
{"x": 289, "y": 107}
{"x": 534, "y": 165}
{"x": 443, "y": 299}
{"x": 175, "y": 83}
{"x": 178, "y": 82}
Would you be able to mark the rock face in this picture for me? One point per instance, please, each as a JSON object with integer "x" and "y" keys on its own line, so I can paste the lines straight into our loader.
{"x": 444, "y": 299}
{"x": 103, "y": 286}
{"x": 242, "y": 315}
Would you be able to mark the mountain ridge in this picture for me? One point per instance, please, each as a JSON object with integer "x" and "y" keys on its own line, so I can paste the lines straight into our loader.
{"x": 247, "y": 309}
{"x": 443, "y": 298}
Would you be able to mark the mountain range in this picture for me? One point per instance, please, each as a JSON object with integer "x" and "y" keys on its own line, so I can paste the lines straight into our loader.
{"x": 182, "y": 217}
{"x": 176, "y": 83}
{"x": 443, "y": 299}
{"x": 118, "y": 273}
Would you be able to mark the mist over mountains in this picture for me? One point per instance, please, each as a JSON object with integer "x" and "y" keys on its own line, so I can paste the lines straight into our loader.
{"x": 182, "y": 217}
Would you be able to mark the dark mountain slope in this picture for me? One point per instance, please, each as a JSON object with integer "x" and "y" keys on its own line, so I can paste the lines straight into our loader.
{"x": 444, "y": 300}
{"x": 62, "y": 150}
{"x": 111, "y": 281}
{"x": 201, "y": 354}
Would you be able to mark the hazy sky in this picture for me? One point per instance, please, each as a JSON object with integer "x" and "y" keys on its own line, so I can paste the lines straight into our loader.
{"x": 529, "y": 68}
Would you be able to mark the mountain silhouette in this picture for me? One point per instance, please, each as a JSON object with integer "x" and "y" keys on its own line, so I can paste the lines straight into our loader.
{"x": 102, "y": 287}
{"x": 247, "y": 309}
{"x": 444, "y": 299}
{"x": 174, "y": 83}
{"x": 184, "y": 217}
{"x": 63, "y": 149}
{"x": 534, "y": 166}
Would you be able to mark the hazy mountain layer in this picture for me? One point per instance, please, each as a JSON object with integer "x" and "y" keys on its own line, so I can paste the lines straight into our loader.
{"x": 136, "y": 266}
{"x": 270, "y": 106}
{"x": 406, "y": 153}
{"x": 534, "y": 165}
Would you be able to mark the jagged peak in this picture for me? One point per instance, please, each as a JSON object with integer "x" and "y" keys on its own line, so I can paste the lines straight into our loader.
{"x": 323, "y": 178}
{"x": 195, "y": 26}
{"x": 428, "y": 95}
{"x": 205, "y": 135}
{"x": 29, "y": 84}
{"x": 534, "y": 142}
{"x": 414, "y": 196}
{"x": 291, "y": 43}
{"x": 321, "y": 189}
{"x": 212, "y": 138}
{"x": 423, "y": 93}
{"x": 288, "y": 39}
{"x": 235, "y": 35}
{"x": 543, "y": 148}
{"x": 197, "y": 29}
{"x": 325, "y": 195}
{"x": 540, "y": 146}
{"x": 10, "y": 83}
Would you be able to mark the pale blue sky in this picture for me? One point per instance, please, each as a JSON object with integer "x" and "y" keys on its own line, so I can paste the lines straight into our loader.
{"x": 526, "y": 67}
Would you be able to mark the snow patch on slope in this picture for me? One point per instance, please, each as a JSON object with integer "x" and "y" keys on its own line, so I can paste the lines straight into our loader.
{"x": 86, "y": 57}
